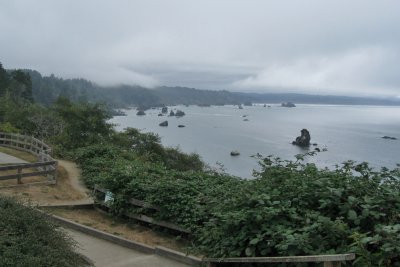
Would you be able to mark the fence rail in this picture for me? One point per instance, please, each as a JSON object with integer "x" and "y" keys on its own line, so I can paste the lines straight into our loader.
{"x": 46, "y": 165}
{"x": 327, "y": 260}
{"x": 25, "y": 143}
{"x": 139, "y": 217}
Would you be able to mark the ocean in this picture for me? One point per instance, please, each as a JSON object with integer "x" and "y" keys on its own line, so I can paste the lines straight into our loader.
{"x": 345, "y": 132}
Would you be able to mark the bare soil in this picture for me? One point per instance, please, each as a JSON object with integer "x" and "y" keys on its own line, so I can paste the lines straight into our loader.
{"x": 45, "y": 194}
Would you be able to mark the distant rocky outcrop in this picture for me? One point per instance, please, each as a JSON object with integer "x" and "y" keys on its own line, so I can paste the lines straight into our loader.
{"x": 164, "y": 123}
{"x": 389, "y": 137}
{"x": 248, "y": 103}
{"x": 235, "y": 153}
{"x": 181, "y": 126}
{"x": 172, "y": 113}
{"x": 179, "y": 113}
{"x": 304, "y": 139}
{"x": 288, "y": 105}
{"x": 246, "y": 120}
{"x": 240, "y": 107}
{"x": 164, "y": 110}
{"x": 140, "y": 113}
{"x": 117, "y": 112}
{"x": 160, "y": 115}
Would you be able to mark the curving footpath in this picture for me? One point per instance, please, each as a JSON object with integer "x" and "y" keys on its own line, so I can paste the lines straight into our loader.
{"x": 7, "y": 159}
{"x": 107, "y": 254}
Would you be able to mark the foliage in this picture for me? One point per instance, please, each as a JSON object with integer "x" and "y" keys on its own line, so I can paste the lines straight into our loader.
{"x": 8, "y": 128}
{"x": 148, "y": 147}
{"x": 29, "y": 238}
{"x": 84, "y": 124}
{"x": 291, "y": 208}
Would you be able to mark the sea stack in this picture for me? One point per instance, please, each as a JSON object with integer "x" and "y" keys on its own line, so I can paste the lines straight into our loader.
{"x": 235, "y": 153}
{"x": 304, "y": 139}
{"x": 140, "y": 113}
{"x": 179, "y": 113}
{"x": 164, "y": 124}
{"x": 288, "y": 105}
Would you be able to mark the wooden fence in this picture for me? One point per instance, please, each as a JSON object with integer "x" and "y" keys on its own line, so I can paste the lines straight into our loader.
{"x": 327, "y": 260}
{"x": 101, "y": 199}
{"x": 46, "y": 165}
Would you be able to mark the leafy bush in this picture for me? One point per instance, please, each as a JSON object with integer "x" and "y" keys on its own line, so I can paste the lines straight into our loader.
{"x": 28, "y": 238}
{"x": 290, "y": 208}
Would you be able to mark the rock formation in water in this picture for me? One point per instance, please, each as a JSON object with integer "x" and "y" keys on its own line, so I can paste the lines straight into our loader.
{"x": 181, "y": 126}
{"x": 288, "y": 105}
{"x": 235, "y": 153}
{"x": 160, "y": 115}
{"x": 140, "y": 113}
{"x": 172, "y": 113}
{"x": 179, "y": 113}
{"x": 164, "y": 123}
{"x": 389, "y": 137}
{"x": 164, "y": 110}
{"x": 304, "y": 139}
{"x": 247, "y": 103}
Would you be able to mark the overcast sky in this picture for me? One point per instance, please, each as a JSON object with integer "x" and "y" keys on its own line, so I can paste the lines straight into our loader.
{"x": 342, "y": 47}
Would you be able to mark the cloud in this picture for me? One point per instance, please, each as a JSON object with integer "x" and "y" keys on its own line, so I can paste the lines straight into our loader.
{"x": 332, "y": 46}
{"x": 353, "y": 72}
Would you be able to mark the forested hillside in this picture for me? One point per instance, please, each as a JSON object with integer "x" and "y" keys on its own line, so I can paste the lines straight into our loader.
{"x": 46, "y": 89}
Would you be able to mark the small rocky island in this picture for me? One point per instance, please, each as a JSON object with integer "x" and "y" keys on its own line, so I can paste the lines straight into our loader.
{"x": 179, "y": 113}
{"x": 235, "y": 153}
{"x": 389, "y": 137}
{"x": 288, "y": 105}
{"x": 303, "y": 140}
{"x": 164, "y": 124}
{"x": 164, "y": 110}
{"x": 140, "y": 113}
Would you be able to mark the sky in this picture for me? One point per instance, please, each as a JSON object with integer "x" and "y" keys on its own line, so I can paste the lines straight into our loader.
{"x": 330, "y": 47}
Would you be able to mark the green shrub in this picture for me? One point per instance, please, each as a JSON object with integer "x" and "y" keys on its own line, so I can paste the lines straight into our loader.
{"x": 290, "y": 208}
{"x": 29, "y": 238}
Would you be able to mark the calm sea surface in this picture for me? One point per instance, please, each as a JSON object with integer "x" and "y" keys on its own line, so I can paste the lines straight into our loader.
{"x": 347, "y": 132}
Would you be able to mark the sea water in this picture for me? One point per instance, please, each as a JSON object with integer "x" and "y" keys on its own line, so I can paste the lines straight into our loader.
{"x": 346, "y": 132}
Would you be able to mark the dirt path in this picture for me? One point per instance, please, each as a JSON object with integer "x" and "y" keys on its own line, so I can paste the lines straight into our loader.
{"x": 74, "y": 184}
{"x": 74, "y": 174}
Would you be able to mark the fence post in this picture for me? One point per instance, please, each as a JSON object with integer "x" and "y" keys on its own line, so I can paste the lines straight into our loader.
{"x": 19, "y": 175}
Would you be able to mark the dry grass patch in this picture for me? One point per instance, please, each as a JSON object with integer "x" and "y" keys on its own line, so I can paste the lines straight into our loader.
{"x": 46, "y": 194}
{"x": 119, "y": 227}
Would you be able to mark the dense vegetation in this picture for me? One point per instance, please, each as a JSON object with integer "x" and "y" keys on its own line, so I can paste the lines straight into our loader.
{"x": 290, "y": 208}
{"x": 29, "y": 238}
{"x": 46, "y": 90}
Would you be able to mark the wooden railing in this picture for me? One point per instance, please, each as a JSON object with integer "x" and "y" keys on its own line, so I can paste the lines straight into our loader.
{"x": 46, "y": 165}
{"x": 100, "y": 198}
{"x": 25, "y": 143}
{"x": 327, "y": 260}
